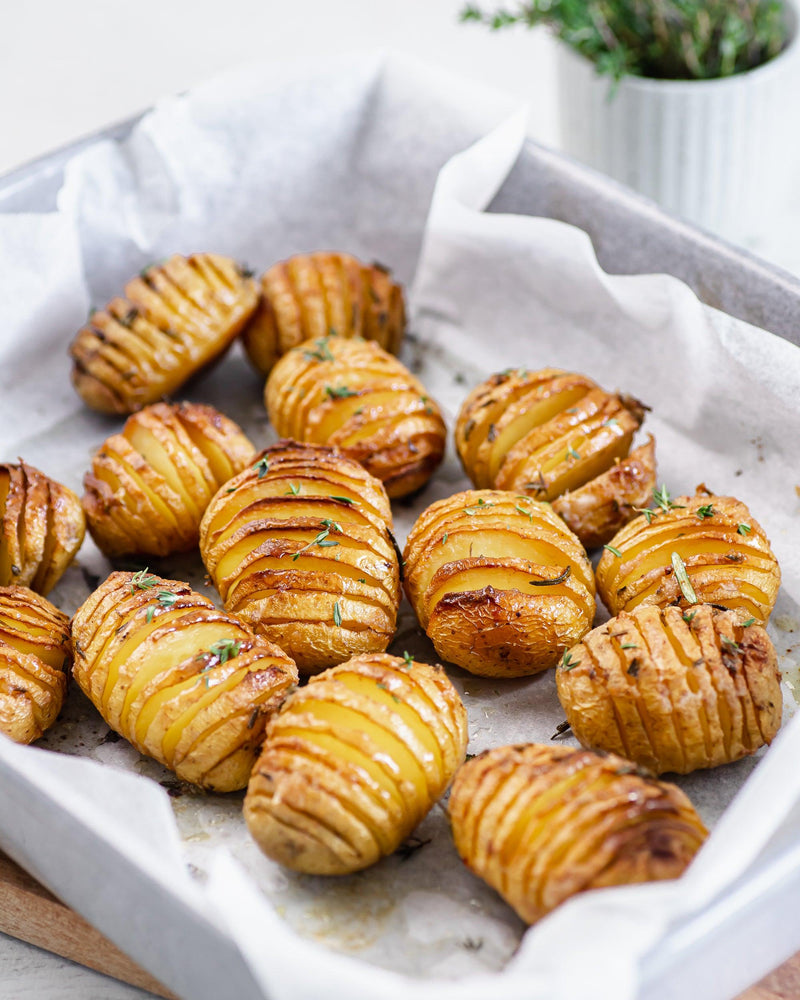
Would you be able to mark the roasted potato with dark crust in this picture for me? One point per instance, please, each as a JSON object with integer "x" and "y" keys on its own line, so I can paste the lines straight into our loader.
{"x": 34, "y": 655}
{"x": 499, "y": 583}
{"x": 42, "y": 527}
{"x": 672, "y": 690}
{"x": 542, "y": 823}
{"x": 689, "y": 550}
{"x": 184, "y": 682}
{"x": 300, "y": 546}
{"x": 558, "y": 436}
{"x": 319, "y": 294}
{"x": 151, "y": 483}
{"x": 353, "y": 762}
{"x": 176, "y": 318}
{"x": 354, "y": 395}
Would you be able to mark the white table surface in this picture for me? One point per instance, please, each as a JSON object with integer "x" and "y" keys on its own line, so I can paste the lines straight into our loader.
{"x": 69, "y": 68}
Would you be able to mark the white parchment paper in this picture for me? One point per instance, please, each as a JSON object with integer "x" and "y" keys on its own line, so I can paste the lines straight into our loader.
{"x": 261, "y": 164}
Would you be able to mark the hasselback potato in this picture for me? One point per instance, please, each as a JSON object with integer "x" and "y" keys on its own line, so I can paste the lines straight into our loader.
{"x": 42, "y": 526}
{"x": 356, "y": 396}
{"x": 184, "y": 682}
{"x": 150, "y": 484}
{"x": 176, "y": 317}
{"x": 300, "y": 546}
{"x": 499, "y": 583}
{"x": 317, "y": 294}
{"x": 688, "y": 550}
{"x": 542, "y": 823}
{"x": 353, "y": 762}
{"x": 558, "y": 436}
{"x": 673, "y": 690}
{"x": 34, "y": 655}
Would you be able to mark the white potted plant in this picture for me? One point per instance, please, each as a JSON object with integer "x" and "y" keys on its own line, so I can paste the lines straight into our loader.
{"x": 691, "y": 102}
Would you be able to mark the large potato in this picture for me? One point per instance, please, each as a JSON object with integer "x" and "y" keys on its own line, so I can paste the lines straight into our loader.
{"x": 689, "y": 550}
{"x": 42, "y": 527}
{"x": 184, "y": 682}
{"x": 34, "y": 654}
{"x": 498, "y": 582}
{"x": 353, "y": 762}
{"x": 300, "y": 546}
{"x": 354, "y": 395}
{"x": 542, "y": 823}
{"x": 318, "y": 294}
{"x": 673, "y": 690}
{"x": 176, "y": 318}
{"x": 559, "y": 437}
{"x": 150, "y": 484}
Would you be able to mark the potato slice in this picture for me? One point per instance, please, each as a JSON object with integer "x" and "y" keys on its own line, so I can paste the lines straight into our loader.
{"x": 712, "y": 542}
{"x": 317, "y": 294}
{"x": 353, "y": 762}
{"x": 42, "y": 527}
{"x": 34, "y": 654}
{"x": 184, "y": 682}
{"x": 499, "y": 583}
{"x": 150, "y": 484}
{"x": 542, "y": 823}
{"x": 354, "y": 395}
{"x": 177, "y": 317}
{"x": 300, "y": 546}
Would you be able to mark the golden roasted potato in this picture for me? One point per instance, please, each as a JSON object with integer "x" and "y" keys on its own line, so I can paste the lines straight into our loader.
{"x": 176, "y": 318}
{"x": 673, "y": 690}
{"x": 317, "y": 294}
{"x": 184, "y": 682}
{"x": 354, "y": 395}
{"x": 689, "y": 550}
{"x": 42, "y": 527}
{"x": 558, "y": 436}
{"x": 499, "y": 583}
{"x": 542, "y": 823}
{"x": 150, "y": 484}
{"x": 353, "y": 762}
{"x": 300, "y": 546}
{"x": 34, "y": 655}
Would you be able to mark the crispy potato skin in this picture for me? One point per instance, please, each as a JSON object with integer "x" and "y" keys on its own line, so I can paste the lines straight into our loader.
{"x": 316, "y": 294}
{"x": 671, "y": 694}
{"x": 357, "y": 397}
{"x": 542, "y": 823}
{"x": 353, "y": 762}
{"x": 150, "y": 485}
{"x": 475, "y": 570}
{"x": 175, "y": 319}
{"x": 41, "y": 528}
{"x": 726, "y": 565}
{"x": 300, "y": 546}
{"x": 35, "y": 651}
{"x": 168, "y": 686}
{"x": 558, "y": 436}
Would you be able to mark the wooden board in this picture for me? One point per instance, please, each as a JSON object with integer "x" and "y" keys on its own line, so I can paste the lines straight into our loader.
{"x": 29, "y": 912}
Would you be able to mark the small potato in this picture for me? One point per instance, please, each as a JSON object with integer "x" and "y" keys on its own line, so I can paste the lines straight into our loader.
{"x": 499, "y": 583}
{"x": 184, "y": 682}
{"x": 542, "y": 823}
{"x": 320, "y": 294}
{"x": 150, "y": 484}
{"x": 176, "y": 318}
{"x": 559, "y": 437}
{"x": 354, "y": 395}
{"x": 353, "y": 762}
{"x": 34, "y": 655}
{"x": 42, "y": 527}
{"x": 300, "y": 546}
{"x": 702, "y": 549}
{"x": 671, "y": 690}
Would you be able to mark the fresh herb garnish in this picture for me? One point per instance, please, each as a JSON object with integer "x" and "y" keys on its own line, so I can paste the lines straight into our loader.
{"x": 337, "y": 615}
{"x": 294, "y": 490}
{"x": 707, "y": 510}
{"x": 322, "y": 352}
{"x": 665, "y": 501}
{"x": 150, "y": 612}
{"x": 225, "y": 649}
{"x": 445, "y": 536}
{"x": 571, "y": 453}
{"x": 344, "y": 499}
{"x": 561, "y": 728}
{"x": 744, "y": 529}
{"x": 142, "y": 581}
{"x": 525, "y": 513}
{"x": 339, "y": 392}
{"x": 688, "y": 616}
{"x": 481, "y": 503}
{"x": 683, "y": 578}
{"x": 613, "y": 551}
{"x": 748, "y": 623}
{"x": 567, "y": 663}
{"x": 322, "y": 538}
{"x": 556, "y": 579}
{"x": 408, "y": 658}
{"x": 628, "y": 645}
{"x": 730, "y": 643}
{"x": 261, "y": 467}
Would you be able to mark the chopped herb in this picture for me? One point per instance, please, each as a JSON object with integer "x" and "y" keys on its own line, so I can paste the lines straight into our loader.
{"x": 261, "y": 467}
{"x": 688, "y": 616}
{"x": 748, "y": 623}
{"x": 245, "y": 272}
{"x": 481, "y": 503}
{"x": 231, "y": 489}
{"x": 225, "y": 649}
{"x": 613, "y": 551}
{"x": 344, "y": 499}
{"x": 445, "y": 536}
{"x": 166, "y": 598}
{"x": 339, "y": 392}
{"x": 322, "y": 538}
{"x": 362, "y": 580}
{"x": 567, "y": 663}
{"x": 525, "y": 513}
{"x": 322, "y": 352}
{"x": 628, "y": 645}
{"x": 571, "y": 453}
{"x": 408, "y": 658}
{"x": 294, "y": 490}
{"x": 744, "y": 529}
{"x": 707, "y": 510}
{"x": 358, "y": 412}
{"x": 647, "y": 512}
{"x": 665, "y": 501}
{"x": 683, "y": 578}
{"x": 150, "y": 612}
{"x": 556, "y": 579}
{"x": 730, "y": 643}
{"x": 337, "y": 615}
{"x": 611, "y": 422}
{"x": 142, "y": 581}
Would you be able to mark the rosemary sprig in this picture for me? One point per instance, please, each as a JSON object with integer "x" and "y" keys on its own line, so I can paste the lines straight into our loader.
{"x": 555, "y": 580}
{"x": 567, "y": 663}
{"x": 142, "y": 580}
{"x": 683, "y": 578}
